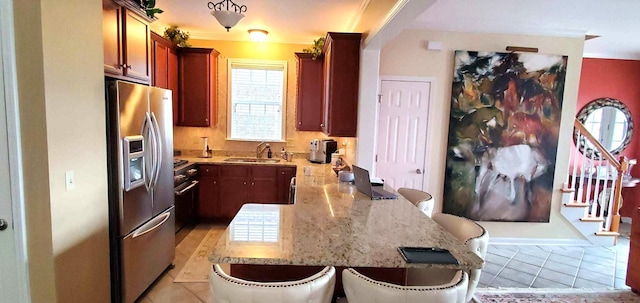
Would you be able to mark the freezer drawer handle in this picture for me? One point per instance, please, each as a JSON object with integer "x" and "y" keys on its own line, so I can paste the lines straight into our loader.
{"x": 164, "y": 217}
{"x": 193, "y": 184}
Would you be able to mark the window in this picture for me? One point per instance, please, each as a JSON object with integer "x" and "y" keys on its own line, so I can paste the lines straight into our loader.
{"x": 609, "y": 125}
{"x": 256, "y": 100}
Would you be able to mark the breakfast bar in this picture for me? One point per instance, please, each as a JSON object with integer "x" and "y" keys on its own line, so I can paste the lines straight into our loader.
{"x": 333, "y": 224}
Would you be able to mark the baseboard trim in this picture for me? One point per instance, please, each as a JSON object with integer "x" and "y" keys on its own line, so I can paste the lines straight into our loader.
{"x": 532, "y": 241}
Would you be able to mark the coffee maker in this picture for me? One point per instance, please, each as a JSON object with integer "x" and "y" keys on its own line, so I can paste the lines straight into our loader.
{"x": 320, "y": 150}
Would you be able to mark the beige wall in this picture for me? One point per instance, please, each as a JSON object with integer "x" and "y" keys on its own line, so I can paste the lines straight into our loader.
{"x": 188, "y": 138}
{"x": 31, "y": 102}
{"x": 74, "y": 88}
{"x": 62, "y": 112}
{"x": 407, "y": 55}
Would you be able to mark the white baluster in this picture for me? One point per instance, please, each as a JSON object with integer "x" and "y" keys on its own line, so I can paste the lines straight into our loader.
{"x": 612, "y": 172}
{"x": 590, "y": 167}
{"x": 580, "y": 184}
{"x": 596, "y": 191}
{"x": 577, "y": 156}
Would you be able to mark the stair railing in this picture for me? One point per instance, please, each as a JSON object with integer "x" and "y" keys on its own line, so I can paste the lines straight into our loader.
{"x": 598, "y": 178}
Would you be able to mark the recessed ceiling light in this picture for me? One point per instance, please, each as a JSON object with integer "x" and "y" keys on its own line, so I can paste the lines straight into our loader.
{"x": 258, "y": 35}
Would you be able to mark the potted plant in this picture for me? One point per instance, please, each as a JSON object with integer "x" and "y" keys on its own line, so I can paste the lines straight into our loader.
{"x": 177, "y": 36}
{"x": 149, "y": 7}
{"x": 316, "y": 48}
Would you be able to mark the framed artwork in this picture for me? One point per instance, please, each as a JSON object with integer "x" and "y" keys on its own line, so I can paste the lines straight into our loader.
{"x": 503, "y": 135}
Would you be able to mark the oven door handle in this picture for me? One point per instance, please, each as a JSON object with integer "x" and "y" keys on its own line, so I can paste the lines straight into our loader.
{"x": 193, "y": 184}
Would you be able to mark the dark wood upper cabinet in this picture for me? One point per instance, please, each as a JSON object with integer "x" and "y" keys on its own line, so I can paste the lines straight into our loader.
{"x": 164, "y": 68}
{"x": 126, "y": 43}
{"x": 197, "y": 86}
{"x": 112, "y": 35}
{"x": 309, "y": 103}
{"x": 341, "y": 78}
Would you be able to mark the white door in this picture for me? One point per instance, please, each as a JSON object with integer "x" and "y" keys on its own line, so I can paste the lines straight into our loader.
{"x": 12, "y": 284}
{"x": 402, "y": 132}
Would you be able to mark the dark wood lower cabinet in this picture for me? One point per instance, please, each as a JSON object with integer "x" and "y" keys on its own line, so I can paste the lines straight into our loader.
{"x": 224, "y": 188}
{"x": 208, "y": 191}
{"x": 264, "y": 185}
{"x": 233, "y": 190}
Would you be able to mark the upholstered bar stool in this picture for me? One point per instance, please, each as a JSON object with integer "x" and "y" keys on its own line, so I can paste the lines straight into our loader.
{"x": 422, "y": 200}
{"x": 317, "y": 288}
{"x": 472, "y": 234}
{"x": 362, "y": 289}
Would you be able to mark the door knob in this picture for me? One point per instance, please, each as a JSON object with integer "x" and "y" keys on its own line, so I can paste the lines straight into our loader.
{"x": 3, "y": 224}
{"x": 418, "y": 171}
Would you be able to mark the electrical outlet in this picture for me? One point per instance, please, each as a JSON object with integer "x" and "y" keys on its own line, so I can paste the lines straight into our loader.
{"x": 290, "y": 142}
{"x": 70, "y": 181}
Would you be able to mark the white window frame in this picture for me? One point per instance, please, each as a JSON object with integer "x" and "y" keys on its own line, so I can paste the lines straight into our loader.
{"x": 275, "y": 64}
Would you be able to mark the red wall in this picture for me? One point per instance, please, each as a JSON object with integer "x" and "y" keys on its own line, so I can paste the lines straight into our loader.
{"x": 618, "y": 79}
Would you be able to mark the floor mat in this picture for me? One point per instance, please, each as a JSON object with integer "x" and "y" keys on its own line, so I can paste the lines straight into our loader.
{"x": 544, "y": 295}
{"x": 198, "y": 266}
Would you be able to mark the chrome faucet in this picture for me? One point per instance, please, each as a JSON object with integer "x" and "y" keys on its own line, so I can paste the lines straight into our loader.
{"x": 259, "y": 150}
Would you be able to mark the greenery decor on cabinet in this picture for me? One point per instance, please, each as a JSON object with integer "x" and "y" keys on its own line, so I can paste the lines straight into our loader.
{"x": 316, "y": 48}
{"x": 150, "y": 8}
{"x": 177, "y": 36}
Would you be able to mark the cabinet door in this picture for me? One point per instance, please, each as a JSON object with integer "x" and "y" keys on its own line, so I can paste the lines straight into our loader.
{"x": 284, "y": 180}
{"x": 234, "y": 189}
{"x": 309, "y": 103}
{"x": 342, "y": 72}
{"x": 172, "y": 71}
{"x": 264, "y": 184}
{"x": 208, "y": 199}
{"x": 112, "y": 35}
{"x": 196, "y": 87}
{"x": 160, "y": 66}
{"x": 136, "y": 46}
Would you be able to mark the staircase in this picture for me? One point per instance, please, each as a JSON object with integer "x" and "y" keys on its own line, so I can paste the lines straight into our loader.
{"x": 591, "y": 197}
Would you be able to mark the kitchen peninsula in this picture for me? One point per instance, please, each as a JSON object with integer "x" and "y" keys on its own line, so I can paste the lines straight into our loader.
{"x": 333, "y": 224}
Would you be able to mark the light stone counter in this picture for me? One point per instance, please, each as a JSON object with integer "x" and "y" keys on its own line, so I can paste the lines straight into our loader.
{"x": 332, "y": 223}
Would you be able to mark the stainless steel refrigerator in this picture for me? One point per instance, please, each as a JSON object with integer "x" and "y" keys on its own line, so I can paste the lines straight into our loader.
{"x": 141, "y": 197}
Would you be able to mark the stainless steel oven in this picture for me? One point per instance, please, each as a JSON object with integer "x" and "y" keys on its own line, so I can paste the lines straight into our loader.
{"x": 185, "y": 177}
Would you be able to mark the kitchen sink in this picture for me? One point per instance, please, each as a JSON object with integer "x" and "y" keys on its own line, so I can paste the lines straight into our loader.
{"x": 252, "y": 160}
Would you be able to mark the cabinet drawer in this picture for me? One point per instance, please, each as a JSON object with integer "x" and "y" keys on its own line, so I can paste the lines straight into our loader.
{"x": 241, "y": 171}
{"x": 264, "y": 172}
{"x": 207, "y": 170}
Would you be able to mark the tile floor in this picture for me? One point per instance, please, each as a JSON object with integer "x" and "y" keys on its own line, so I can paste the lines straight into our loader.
{"x": 522, "y": 266}
{"x": 547, "y": 266}
{"x": 165, "y": 291}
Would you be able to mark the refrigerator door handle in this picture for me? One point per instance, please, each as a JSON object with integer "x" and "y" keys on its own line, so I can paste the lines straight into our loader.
{"x": 153, "y": 152}
{"x": 153, "y": 223}
{"x": 144, "y": 131}
{"x": 158, "y": 145}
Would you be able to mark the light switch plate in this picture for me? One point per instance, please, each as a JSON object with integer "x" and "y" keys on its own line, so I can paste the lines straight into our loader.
{"x": 70, "y": 181}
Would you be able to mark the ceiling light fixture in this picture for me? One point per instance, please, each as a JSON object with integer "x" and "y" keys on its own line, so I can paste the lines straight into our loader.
{"x": 258, "y": 35}
{"x": 227, "y": 12}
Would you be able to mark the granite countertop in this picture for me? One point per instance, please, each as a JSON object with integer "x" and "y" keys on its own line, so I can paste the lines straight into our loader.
{"x": 333, "y": 224}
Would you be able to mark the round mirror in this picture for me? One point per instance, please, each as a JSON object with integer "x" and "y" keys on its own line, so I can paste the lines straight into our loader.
{"x": 607, "y": 119}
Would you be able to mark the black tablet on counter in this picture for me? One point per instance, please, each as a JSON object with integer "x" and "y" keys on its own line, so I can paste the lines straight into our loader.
{"x": 430, "y": 255}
